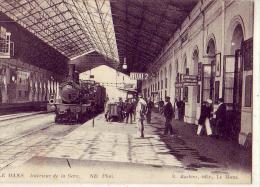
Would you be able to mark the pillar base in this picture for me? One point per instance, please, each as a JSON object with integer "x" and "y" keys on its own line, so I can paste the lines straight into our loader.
{"x": 189, "y": 119}
{"x": 245, "y": 139}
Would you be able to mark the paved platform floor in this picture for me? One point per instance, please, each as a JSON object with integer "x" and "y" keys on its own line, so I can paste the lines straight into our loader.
{"x": 113, "y": 141}
{"x": 97, "y": 143}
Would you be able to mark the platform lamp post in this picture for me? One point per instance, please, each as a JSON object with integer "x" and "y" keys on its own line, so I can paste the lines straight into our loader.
{"x": 124, "y": 64}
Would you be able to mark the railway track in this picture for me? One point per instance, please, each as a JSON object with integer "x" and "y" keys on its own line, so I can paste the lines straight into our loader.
{"x": 27, "y": 134}
{"x": 19, "y": 119}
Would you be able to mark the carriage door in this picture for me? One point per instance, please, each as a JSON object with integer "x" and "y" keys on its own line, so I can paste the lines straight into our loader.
{"x": 233, "y": 91}
{"x": 207, "y": 82}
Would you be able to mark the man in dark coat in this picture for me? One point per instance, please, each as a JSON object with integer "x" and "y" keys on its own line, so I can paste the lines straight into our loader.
{"x": 129, "y": 110}
{"x": 206, "y": 113}
{"x": 149, "y": 110}
{"x": 221, "y": 119}
{"x": 161, "y": 104}
{"x": 168, "y": 114}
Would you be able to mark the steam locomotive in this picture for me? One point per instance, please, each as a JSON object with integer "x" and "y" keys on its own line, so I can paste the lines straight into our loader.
{"x": 79, "y": 100}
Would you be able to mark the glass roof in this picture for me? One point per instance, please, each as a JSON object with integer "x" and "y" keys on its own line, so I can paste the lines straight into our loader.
{"x": 73, "y": 27}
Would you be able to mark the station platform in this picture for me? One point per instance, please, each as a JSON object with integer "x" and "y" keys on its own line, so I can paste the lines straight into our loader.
{"x": 101, "y": 151}
{"x": 98, "y": 140}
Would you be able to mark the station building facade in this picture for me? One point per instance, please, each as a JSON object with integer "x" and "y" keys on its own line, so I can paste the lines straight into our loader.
{"x": 30, "y": 70}
{"x": 210, "y": 56}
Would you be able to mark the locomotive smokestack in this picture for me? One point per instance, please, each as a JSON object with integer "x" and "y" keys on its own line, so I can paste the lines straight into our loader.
{"x": 72, "y": 68}
{"x": 76, "y": 77}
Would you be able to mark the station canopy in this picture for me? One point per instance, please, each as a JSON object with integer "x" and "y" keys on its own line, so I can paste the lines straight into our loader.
{"x": 73, "y": 27}
{"x": 108, "y": 31}
{"x": 143, "y": 27}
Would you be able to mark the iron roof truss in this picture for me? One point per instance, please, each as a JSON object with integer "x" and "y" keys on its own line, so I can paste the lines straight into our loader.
{"x": 72, "y": 27}
{"x": 143, "y": 27}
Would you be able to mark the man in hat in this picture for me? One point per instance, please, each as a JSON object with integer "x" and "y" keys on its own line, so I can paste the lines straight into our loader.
{"x": 209, "y": 110}
{"x": 149, "y": 110}
{"x": 168, "y": 114}
{"x": 140, "y": 115}
{"x": 221, "y": 119}
{"x": 205, "y": 115}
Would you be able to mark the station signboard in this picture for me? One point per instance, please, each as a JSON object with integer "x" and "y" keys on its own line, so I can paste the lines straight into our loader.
{"x": 178, "y": 85}
{"x": 190, "y": 84}
{"x": 128, "y": 86}
{"x": 154, "y": 93}
{"x": 138, "y": 76}
{"x": 190, "y": 80}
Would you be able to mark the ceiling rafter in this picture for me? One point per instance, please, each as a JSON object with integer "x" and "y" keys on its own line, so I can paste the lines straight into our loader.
{"x": 32, "y": 14}
{"x": 145, "y": 27}
{"x": 138, "y": 18}
{"x": 66, "y": 24}
{"x": 102, "y": 23}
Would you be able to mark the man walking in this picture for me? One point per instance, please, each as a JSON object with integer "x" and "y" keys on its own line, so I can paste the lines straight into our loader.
{"x": 149, "y": 110}
{"x": 140, "y": 114}
{"x": 168, "y": 113}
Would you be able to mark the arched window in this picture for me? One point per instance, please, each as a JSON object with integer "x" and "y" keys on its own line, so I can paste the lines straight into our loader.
{"x": 208, "y": 72}
{"x": 177, "y": 67}
{"x": 161, "y": 79}
{"x": 195, "y": 58}
{"x": 170, "y": 78}
{"x": 165, "y": 74}
{"x": 185, "y": 68}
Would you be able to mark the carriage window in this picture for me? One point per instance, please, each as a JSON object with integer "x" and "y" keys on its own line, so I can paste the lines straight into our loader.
{"x": 248, "y": 91}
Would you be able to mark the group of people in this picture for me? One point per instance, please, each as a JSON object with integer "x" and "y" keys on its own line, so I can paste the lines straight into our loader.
{"x": 141, "y": 109}
{"x": 127, "y": 110}
{"x": 216, "y": 127}
{"x": 145, "y": 108}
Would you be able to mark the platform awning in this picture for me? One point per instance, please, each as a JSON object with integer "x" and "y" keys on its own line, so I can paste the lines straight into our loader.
{"x": 92, "y": 60}
{"x": 143, "y": 27}
{"x": 115, "y": 29}
{"x": 73, "y": 27}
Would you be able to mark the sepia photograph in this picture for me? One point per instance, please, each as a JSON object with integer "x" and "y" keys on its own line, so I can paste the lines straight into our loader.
{"x": 128, "y": 91}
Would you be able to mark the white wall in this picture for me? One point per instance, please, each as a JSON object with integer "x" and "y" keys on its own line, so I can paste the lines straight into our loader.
{"x": 209, "y": 19}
